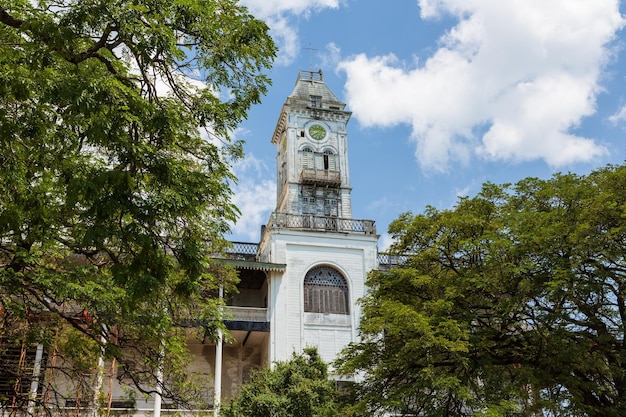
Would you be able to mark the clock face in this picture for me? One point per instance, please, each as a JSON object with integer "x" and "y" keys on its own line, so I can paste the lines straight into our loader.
{"x": 317, "y": 132}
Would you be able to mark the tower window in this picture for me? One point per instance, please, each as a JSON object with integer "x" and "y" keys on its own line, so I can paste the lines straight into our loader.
{"x": 326, "y": 291}
{"x": 329, "y": 160}
{"x": 316, "y": 101}
{"x": 308, "y": 205}
{"x": 307, "y": 158}
{"x": 330, "y": 207}
{"x": 307, "y": 199}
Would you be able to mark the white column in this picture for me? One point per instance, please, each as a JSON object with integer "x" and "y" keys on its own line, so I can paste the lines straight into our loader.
{"x": 34, "y": 385}
{"x": 218, "y": 365}
{"x": 159, "y": 384}
{"x": 99, "y": 373}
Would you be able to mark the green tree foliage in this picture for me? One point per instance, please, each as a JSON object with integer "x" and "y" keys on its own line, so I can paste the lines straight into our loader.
{"x": 114, "y": 171}
{"x": 512, "y": 304}
{"x": 296, "y": 388}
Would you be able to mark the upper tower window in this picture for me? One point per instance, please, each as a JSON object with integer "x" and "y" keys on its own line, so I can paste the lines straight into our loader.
{"x": 326, "y": 291}
{"x": 316, "y": 101}
{"x": 307, "y": 158}
{"x": 329, "y": 161}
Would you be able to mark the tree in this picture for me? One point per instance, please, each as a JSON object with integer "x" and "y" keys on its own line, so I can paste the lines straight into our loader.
{"x": 115, "y": 121}
{"x": 296, "y": 388}
{"x": 512, "y": 303}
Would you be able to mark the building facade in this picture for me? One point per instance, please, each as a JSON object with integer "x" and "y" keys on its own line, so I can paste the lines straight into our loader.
{"x": 301, "y": 283}
{"x": 326, "y": 252}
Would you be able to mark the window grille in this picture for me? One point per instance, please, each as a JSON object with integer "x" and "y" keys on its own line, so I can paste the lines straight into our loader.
{"x": 326, "y": 291}
{"x": 19, "y": 362}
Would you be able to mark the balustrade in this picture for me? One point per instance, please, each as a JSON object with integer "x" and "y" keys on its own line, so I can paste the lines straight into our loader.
{"x": 321, "y": 223}
{"x": 246, "y": 313}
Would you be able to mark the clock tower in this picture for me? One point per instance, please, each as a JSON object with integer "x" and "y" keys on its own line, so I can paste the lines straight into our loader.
{"x": 326, "y": 254}
{"x": 312, "y": 151}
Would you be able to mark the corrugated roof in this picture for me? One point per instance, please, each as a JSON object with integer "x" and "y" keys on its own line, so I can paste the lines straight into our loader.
{"x": 257, "y": 266}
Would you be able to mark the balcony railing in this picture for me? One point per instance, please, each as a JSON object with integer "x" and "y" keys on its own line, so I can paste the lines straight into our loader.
{"x": 387, "y": 261}
{"x": 243, "y": 251}
{"x": 321, "y": 223}
{"x": 320, "y": 176}
{"x": 256, "y": 314}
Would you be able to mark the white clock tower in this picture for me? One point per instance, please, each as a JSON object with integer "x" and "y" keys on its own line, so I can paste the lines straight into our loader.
{"x": 312, "y": 158}
{"x": 325, "y": 252}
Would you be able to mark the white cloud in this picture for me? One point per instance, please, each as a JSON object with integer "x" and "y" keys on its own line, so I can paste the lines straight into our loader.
{"x": 619, "y": 116}
{"x": 331, "y": 56}
{"x": 264, "y": 8}
{"x": 509, "y": 82}
{"x": 255, "y": 196}
{"x": 279, "y": 15}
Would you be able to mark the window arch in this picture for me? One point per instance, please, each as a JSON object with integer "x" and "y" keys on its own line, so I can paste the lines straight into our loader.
{"x": 329, "y": 160}
{"x": 326, "y": 291}
{"x": 307, "y": 158}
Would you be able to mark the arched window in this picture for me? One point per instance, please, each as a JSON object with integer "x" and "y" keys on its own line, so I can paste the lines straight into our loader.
{"x": 329, "y": 160}
{"x": 326, "y": 291}
{"x": 307, "y": 158}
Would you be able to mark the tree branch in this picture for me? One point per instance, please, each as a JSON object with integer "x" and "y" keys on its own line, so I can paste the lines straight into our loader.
{"x": 9, "y": 20}
{"x": 91, "y": 52}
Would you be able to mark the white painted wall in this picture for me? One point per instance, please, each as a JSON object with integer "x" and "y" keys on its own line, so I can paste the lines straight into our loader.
{"x": 291, "y": 328}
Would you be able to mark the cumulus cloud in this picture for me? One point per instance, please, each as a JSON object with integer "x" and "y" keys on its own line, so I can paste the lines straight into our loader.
{"x": 254, "y": 195}
{"x": 510, "y": 81}
{"x": 279, "y": 15}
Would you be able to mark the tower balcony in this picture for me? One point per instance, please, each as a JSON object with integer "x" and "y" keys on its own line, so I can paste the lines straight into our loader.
{"x": 321, "y": 223}
{"x": 320, "y": 177}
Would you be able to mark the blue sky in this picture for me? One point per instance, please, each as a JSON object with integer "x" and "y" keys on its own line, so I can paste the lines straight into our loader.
{"x": 445, "y": 95}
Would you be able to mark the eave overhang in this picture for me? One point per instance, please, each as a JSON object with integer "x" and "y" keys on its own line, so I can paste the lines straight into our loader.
{"x": 255, "y": 266}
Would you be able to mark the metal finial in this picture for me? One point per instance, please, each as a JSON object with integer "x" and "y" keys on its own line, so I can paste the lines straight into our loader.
{"x": 310, "y": 49}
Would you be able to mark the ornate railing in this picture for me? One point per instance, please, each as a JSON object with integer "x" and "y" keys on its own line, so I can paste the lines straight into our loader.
{"x": 386, "y": 260}
{"x": 321, "y": 223}
{"x": 245, "y": 313}
{"x": 243, "y": 250}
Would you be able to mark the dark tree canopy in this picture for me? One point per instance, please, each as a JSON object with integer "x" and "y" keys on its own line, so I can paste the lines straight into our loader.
{"x": 512, "y": 303}
{"x": 115, "y": 118}
{"x": 296, "y": 388}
